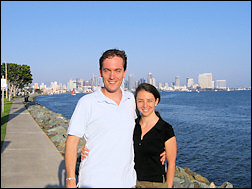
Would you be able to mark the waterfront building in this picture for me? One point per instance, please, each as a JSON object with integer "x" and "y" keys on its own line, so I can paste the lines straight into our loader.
{"x": 36, "y": 86}
{"x": 160, "y": 86}
{"x": 142, "y": 80}
{"x": 177, "y": 81}
{"x": 71, "y": 84}
{"x": 79, "y": 83}
{"x": 136, "y": 84}
{"x": 149, "y": 78}
{"x": 131, "y": 80}
{"x": 205, "y": 81}
{"x": 87, "y": 83}
{"x": 95, "y": 80}
{"x": 100, "y": 83}
{"x": 221, "y": 84}
{"x": 153, "y": 82}
{"x": 42, "y": 86}
{"x": 189, "y": 82}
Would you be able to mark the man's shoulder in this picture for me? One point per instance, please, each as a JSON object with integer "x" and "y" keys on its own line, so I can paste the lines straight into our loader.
{"x": 88, "y": 97}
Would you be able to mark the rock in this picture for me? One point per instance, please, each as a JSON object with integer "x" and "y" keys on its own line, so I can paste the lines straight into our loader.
{"x": 196, "y": 176}
{"x": 226, "y": 185}
{"x": 212, "y": 185}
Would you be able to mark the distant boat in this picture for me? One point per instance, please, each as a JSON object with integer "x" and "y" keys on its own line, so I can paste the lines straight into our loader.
{"x": 73, "y": 92}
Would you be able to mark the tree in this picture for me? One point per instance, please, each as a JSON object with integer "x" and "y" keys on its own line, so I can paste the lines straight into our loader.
{"x": 18, "y": 76}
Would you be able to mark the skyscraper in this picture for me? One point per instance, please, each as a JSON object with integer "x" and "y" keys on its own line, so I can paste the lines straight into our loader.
{"x": 149, "y": 78}
{"x": 189, "y": 82}
{"x": 132, "y": 82}
{"x": 177, "y": 81}
{"x": 205, "y": 81}
{"x": 221, "y": 84}
{"x": 79, "y": 83}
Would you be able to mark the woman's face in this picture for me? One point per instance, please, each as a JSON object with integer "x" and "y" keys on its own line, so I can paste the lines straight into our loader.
{"x": 146, "y": 103}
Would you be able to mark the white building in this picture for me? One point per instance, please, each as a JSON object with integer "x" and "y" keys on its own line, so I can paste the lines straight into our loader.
{"x": 220, "y": 84}
{"x": 205, "y": 81}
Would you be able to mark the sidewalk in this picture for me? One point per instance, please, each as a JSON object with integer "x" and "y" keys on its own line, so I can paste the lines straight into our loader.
{"x": 29, "y": 159}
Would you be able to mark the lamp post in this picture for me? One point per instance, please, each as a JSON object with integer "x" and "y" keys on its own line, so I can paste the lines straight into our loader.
{"x": 6, "y": 77}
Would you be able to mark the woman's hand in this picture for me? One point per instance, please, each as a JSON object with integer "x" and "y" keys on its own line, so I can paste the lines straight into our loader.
{"x": 84, "y": 152}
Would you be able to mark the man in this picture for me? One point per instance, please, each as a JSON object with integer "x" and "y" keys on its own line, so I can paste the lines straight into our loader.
{"x": 106, "y": 119}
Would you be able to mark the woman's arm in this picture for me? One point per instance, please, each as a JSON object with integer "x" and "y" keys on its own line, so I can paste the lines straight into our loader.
{"x": 171, "y": 154}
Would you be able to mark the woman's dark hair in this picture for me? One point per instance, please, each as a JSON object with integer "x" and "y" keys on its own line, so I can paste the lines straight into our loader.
{"x": 149, "y": 88}
{"x": 111, "y": 53}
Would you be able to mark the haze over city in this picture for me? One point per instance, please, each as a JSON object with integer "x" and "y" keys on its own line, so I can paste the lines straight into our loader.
{"x": 62, "y": 40}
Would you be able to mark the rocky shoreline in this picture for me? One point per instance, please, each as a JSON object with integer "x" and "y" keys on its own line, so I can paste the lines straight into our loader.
{"x": 55, "y": 127}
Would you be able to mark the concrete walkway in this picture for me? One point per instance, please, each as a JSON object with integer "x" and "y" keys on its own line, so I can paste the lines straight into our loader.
{"x": 29, "y": 159}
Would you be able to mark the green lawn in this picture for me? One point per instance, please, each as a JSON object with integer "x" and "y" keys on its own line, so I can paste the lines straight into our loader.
{"x": 4, "y": 117}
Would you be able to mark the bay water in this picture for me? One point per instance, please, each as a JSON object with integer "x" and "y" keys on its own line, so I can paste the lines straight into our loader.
{"x": 212, "y": 128}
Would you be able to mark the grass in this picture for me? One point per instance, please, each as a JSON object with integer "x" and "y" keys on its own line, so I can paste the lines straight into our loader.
{"x": 4, "y": 118}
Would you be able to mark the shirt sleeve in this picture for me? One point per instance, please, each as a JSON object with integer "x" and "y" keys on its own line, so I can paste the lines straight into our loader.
{"x": 169, "y": 132}
{"x": 79, "y": 119}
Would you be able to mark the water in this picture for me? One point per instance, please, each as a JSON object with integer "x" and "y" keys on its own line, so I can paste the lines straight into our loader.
{"x": 213, "y": 130}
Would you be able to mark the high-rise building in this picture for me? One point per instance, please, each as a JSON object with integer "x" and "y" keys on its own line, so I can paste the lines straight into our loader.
{"x": 36, "y": 86}
{"x": 142, "y": 80}
{"x": 221, "y": 84}
{"x": 131, "y": 80}
{"x": 153, "y": 82}
{"x": 71, "y": 84}
{"x": 149, "y": 78}
{"x": 79, "y": 83}
{"x": 205, "y": 81}
{"x": 42, "y": 86}
{"x": 189, "y": 82}
{"x": 177, "y": 81}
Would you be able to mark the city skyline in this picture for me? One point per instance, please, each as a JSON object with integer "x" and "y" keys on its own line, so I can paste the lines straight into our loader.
{"x": 65, "y": 39}
{"x": 149, "y": 79}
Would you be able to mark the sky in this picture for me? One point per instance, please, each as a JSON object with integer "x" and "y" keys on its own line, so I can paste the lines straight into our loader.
{"x": 62, "y": 40}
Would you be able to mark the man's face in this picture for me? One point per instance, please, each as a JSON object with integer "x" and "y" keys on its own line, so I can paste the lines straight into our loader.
{"x": 113, "y": 73}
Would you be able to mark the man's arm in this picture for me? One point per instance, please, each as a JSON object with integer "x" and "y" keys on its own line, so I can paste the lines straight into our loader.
{"x": 70, "y": 159}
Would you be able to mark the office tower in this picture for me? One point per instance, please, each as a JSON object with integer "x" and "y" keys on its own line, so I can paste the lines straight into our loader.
{"x": 160, "y": 86}
{"x": 205, "y": 81}
{"x": 153, "y": 82}
{"x": 64, "y": 87}
{"x": 36, "y": 86}
{"x": 142, "y": 80}
{"x": 136, "y": 84}
{"x": 95, "y": 80}
{"x": 123, "y": 84}
{"x": 166, "y": 85}
{"x": 177, "y": 81}
{"x": 221, "y": 84}
{"x": 131, "y": 80}
{"x": 71, "y": 84}
{"x": 42, "y": 86}
{"x": 87, "y": 83}
{"x": 189, "y": 82}
{"x": 79, "y": 83}
{"x": 149, "y": 78}
{"x": 100, "y": 83}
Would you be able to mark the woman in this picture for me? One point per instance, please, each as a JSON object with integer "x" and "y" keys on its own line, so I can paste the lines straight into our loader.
{"x": 151, "y": 136}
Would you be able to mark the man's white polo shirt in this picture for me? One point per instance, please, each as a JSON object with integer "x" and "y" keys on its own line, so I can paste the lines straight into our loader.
{"x": 108, "y": 130}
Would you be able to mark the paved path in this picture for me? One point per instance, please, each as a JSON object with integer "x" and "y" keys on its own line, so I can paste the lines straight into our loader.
{"x": 29, "y": 159}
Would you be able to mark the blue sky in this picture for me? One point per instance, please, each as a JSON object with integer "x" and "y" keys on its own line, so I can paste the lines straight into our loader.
{"x": 62, "y": 40}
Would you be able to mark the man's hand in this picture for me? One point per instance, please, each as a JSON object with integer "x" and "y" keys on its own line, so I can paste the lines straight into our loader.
{"x": 84, "y": 152}
{"x": 163, "y": 156}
